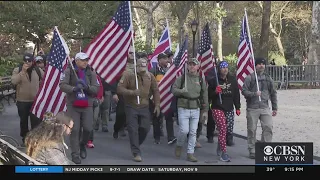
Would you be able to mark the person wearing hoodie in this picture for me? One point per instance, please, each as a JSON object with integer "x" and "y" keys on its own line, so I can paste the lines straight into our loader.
{"x": 80, "y": 86}
{"x": 258, "y": 104}
{"x": 223, "y": 113}
{"x": 192, "y": 96}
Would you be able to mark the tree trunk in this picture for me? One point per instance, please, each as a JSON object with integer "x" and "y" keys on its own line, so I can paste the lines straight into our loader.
{"x": 149, "y": 31}
{"x": 280, "y": 46}
{"x": 181, "y": 31}
{"x": 219, "y": 34}
{"x": 314, "y": 48}
{"x": 265, "y": 31}
{"x": 138, "y": 23}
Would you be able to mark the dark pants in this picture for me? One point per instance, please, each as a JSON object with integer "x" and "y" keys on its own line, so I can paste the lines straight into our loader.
{"x": 157, "y": 126}
{"x": 138, "y": 123}
{"x": 24, "y": 109}
{"x": 199, "y": 130}
{"x": 157, "y": 122}
{"x": 120, "y": 116}
{"x": 82, "y": 118}
{"x": 211, "y": 125}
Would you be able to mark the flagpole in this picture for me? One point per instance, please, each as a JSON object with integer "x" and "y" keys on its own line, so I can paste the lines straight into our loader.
{"x": 169, "y": 34}
{"x": 69, "y": 59}
{"x": 250, "y": 42}
{"x": 134, "y": 52}
{"x": 216, "y": 73}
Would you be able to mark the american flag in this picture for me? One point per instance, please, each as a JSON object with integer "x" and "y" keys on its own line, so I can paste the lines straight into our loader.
{"x": 245, "y": 65}
{"x": 168, "y": 79}
{"x": 163, "y": 45}
{"x": 49, "y": 97}
{"x": 109, "y": 50}
{"x": 205, "y": 52}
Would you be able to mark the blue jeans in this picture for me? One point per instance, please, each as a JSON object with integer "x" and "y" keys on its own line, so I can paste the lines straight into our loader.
{"x": 188, "y": 124}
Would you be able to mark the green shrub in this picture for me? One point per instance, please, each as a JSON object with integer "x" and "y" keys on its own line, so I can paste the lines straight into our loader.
{"x": 232, "y": 60}
{"x": 278, "y": 58}
{"x": 7, "y": 64}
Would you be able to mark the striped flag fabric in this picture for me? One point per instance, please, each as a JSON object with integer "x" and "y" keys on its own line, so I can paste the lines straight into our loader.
{"x": 205, "y": 51}
{"x": 49, "y": 97}
{"x": 169, "y": 78}
{"x": 245, "y": 64}
{"x": 108, "y": 52}
{"x": 163, "y": 45}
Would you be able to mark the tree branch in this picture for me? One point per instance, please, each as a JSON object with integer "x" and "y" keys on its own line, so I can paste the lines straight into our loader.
{"x": 79, "y": 37}
{"x": 280, "y": 17}
{"x": 141, "y": 7}
{"x": 155, "y": 6}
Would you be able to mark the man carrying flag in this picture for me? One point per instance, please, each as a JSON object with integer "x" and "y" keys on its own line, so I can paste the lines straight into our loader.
{"x": 192, "y": 94}
{"x": 80, "y": 85}
{"x": 257, "y": 87}
{"x": 159, "y": 71}
{"x": 138, "y": 114}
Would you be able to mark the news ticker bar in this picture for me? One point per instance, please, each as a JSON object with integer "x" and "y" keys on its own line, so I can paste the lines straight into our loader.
{"x": 161, "y": 169}
{"x": 134, "y": 169}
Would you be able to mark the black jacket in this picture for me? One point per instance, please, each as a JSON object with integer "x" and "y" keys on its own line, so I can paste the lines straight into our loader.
{"x": 230, "y": 93}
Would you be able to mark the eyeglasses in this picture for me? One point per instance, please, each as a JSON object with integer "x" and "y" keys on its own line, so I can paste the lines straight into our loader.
{"x": 69, "y": 127}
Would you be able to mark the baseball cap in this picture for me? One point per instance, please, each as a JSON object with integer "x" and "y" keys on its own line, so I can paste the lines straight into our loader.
{"x": 27, "y": 57}
{"x": 39, "y": 58}
{"x": 194, "y": 60}
{"x": 260, "y": 61}
{"x": 162, "y": 55}
{"x": 81, "y": 56}
{"x": 169, "y": 53}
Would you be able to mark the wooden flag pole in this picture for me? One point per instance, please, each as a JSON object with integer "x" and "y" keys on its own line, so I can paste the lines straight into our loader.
{"x": 251, "y": 49}
{"x": 134, "y": 52}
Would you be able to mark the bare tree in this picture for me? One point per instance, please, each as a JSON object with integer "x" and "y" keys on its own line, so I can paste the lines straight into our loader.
{"x": 264, "y": 38}
{"x": 149, "y": 8}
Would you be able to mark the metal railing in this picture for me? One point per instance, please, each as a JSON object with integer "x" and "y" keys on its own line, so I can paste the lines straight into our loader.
{"x": 284, "y": 75}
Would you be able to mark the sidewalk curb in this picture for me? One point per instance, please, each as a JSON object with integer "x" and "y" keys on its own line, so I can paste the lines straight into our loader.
{"x": 245, "y": 138}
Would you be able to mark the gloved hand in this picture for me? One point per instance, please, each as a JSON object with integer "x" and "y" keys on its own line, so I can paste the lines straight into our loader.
{"x": 204, "y": 118}
{"x": 157, "y": 111}
{"x": 218, "y": 90}
{"x": 238, "y": 112}
{"x": 135, "y": 92}
{"x": 81, "y": 81}
{"x": 77, "y": 88}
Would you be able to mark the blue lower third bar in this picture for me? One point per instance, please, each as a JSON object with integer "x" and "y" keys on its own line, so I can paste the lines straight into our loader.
{"x": 39, "y": 169}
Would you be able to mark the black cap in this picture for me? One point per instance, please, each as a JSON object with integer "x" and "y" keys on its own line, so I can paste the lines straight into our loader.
{"x": 260, "y": 61}
{"x": 169, "y": 53}
{"x": 27, "y": 57}
{"x": 162, "y": 55}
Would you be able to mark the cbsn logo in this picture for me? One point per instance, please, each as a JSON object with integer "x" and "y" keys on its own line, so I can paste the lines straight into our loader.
{"x": 289, "y": 153}
{"x": 284, "y": 153}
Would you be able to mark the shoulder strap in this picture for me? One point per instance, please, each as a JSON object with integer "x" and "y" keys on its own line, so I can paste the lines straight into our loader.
{"x": 20, "y": 68}
{"x": 38, "y": 72}
{"x": 182, "y": 81}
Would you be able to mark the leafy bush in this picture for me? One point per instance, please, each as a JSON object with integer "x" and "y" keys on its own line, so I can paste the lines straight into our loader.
{"x": 232, "y": 61}
{"x": 278, "y": 58}
{"x": 7, "y": 64}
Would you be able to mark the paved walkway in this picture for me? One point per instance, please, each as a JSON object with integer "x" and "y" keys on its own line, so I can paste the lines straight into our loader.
{"x": 109, "y": 151}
